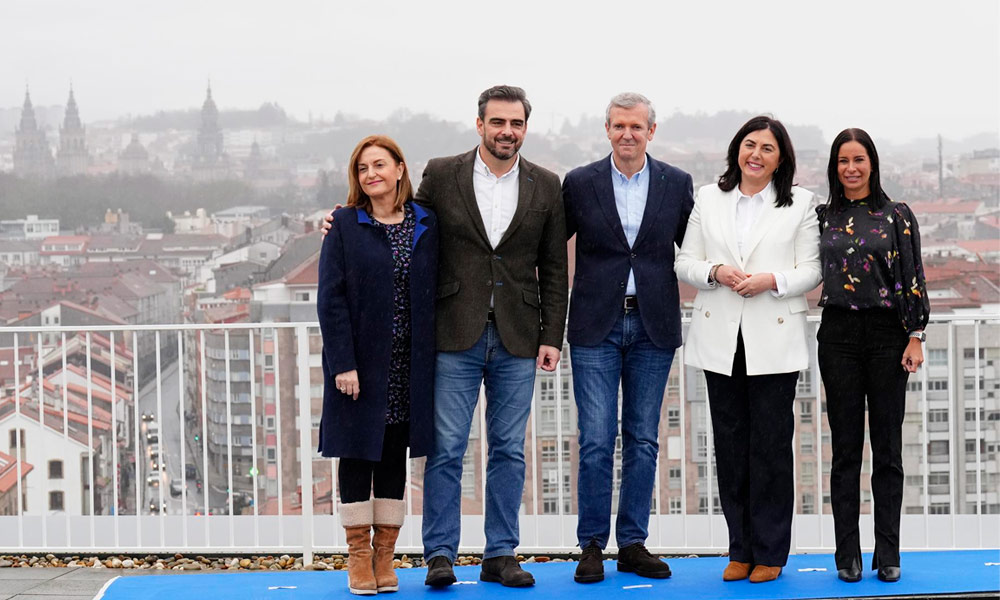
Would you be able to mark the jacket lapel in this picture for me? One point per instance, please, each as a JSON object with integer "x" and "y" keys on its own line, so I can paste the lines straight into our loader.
{"x": 654, "y": 199}
{"x": 463, "y": 180}
{"x": 604, "y": 191}
{"x": 729, "y": 224}
{"x": 525, "y": 190}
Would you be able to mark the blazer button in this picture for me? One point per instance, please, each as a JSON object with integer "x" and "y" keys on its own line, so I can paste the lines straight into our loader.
{"x": 780, "y": 320}
{"x": 707, "y": 314}
{"x": 632, "y": 255}
{"x": 621, "y": 284}
{"x": 489, "y": 283}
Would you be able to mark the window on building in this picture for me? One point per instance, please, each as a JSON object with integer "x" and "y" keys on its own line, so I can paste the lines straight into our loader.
{"x": 13, "y": 440}
{"x": 808, "y": 504}
{"x": 56, "y": 501}
{"x": 937, "y": 357}
{"x": 914, "y": 385}
{"x": 937, "y": 385}
{"x": 937, "y": 415}
{"x": 55, "y": 469}
{"x": 938, "y": 478}
{"x": 939, "y": 508}
{"x": 674, "y": 477}
{"x": 808, "y": 470}
{"x": 673, "y": 417}
{"x": 806, "y": 411}
{"x": 937, "y": 448}
{"x": 674, "y": 506}
{"x": 302, "y": 296}
{"x": 808, "y": 442}
{"x": 272, "y": 454}
{"x": 804, "y": 385}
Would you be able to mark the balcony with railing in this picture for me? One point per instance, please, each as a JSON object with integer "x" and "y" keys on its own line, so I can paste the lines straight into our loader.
{"x": 233, "y": 422}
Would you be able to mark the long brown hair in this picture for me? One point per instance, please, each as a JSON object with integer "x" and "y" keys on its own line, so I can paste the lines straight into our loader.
{"x": 355, "y": 195}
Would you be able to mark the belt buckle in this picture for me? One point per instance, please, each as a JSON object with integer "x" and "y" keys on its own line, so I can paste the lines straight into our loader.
{"x": 627, "y": 305}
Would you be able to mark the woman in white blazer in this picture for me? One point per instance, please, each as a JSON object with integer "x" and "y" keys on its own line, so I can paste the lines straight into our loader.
{"x": 752, "y": 250}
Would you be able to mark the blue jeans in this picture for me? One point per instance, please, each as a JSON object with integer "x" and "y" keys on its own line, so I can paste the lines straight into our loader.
{"x": 629, "y": 356}
{"x": 510, "y": 382}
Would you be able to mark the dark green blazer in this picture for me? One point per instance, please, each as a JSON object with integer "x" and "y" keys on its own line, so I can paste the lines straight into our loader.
{"x": 526, "y": 273}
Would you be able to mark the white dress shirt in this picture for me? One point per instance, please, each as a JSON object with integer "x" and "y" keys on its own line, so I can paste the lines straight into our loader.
{"x": 747, "y": 212}
{"x": 496, "y": 197}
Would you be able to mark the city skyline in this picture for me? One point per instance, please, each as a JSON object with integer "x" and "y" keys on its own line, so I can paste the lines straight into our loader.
{"x": 910, "y": 71}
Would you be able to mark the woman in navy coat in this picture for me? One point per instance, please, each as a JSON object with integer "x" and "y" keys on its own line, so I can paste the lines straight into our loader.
{"x": 377, "y": 282}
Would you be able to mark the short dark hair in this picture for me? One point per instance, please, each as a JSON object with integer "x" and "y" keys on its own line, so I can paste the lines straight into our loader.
{"x": 507, "y": 93}
{"x": 783, "y": 176}
{"x": 877, "y": 194}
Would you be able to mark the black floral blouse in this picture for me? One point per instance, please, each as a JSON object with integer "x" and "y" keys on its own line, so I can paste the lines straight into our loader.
{"x": 400, "y": 238}
{"x": 871, "y": 259}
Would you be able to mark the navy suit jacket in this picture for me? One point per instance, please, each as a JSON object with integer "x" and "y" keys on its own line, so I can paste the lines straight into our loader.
{"x": 355, "y": 308}
{"x": 603, "y": 255}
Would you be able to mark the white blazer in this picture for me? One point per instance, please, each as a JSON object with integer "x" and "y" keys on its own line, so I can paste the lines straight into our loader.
{"x": 782, "y": 240}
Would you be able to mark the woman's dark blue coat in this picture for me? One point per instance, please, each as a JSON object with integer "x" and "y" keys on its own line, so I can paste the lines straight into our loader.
{"x": 355, "y": 307}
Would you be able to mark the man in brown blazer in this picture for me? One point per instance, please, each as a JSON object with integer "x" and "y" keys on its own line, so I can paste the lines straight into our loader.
{"x": 501, "y": 310}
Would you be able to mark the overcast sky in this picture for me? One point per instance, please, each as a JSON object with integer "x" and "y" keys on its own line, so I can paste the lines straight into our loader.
{"x": 901, "y": 69}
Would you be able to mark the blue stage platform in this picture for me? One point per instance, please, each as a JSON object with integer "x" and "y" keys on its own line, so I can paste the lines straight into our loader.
{"x": 973, "y": 573}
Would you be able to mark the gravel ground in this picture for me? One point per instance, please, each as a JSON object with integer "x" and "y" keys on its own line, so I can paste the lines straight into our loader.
{"x": 180, "y": 562}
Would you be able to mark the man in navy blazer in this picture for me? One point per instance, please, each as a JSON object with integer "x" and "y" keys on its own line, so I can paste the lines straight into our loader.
{"x": 628, "y": 211}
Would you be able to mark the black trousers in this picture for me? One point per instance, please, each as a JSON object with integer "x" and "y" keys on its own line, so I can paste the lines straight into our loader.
{"x": 387, "y": 478}
{"x": 859, "y": 360}
{"x": 753, "y": 425}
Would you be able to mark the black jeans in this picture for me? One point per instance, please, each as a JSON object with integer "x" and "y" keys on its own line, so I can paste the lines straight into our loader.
{"x": 753, "y": 423}
{"x": 387, "y": 477}
{"x": 859, "y": 359}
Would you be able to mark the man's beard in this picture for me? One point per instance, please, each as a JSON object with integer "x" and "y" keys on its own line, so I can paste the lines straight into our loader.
{"x": 491, "y": 147}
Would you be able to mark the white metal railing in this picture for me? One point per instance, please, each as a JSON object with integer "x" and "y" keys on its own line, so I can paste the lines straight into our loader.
{"x": 260, "y": 509}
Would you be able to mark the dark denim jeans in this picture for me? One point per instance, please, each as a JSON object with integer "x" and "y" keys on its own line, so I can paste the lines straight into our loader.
{"x": 510, "y": 384}
{"x": 627, "y": 356}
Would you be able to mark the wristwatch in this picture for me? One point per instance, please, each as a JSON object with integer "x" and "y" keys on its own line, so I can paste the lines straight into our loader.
{"x": 920, "y": 335}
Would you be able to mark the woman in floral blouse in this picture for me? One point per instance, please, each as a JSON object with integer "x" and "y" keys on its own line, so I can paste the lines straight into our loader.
{"x": 875, "y": 308}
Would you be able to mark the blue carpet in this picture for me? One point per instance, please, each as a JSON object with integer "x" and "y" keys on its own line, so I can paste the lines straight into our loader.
{"x": 924, "y": 573}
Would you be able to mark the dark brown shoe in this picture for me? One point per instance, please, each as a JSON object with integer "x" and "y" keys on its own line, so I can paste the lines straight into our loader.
{"x": 591, "y": 566}
{"x": 505, "y": 571}
{"x": 634, "y": 558}
{"x": 735, "y": 571}
{"x": 439, "y": 572}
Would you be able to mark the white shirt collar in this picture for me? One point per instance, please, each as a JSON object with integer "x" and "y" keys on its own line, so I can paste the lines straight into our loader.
{"x": 481, "y": 166}
{"x": 767, "y": 194}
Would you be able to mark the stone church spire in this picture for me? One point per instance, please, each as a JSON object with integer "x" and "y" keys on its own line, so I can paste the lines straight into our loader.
{"x": 32, "y": 155}
{"x": 72, "y": 157}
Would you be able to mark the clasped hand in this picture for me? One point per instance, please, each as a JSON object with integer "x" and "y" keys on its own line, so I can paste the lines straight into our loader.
{"x": 744, "y": 284}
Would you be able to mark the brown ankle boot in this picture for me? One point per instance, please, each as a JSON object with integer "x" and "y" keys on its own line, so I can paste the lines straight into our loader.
{"x": 389, "y": 515}
{"x": 356, "y": 518}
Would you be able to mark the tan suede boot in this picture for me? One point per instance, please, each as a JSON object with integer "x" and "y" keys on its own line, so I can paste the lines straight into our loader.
{"x": 389, "y": 515}
{"x": 356, "y": 518}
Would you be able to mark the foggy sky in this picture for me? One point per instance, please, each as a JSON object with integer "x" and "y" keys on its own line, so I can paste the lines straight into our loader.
{"x": 901, "y": 69}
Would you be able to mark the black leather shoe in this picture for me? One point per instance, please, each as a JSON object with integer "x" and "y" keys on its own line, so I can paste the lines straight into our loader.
{"x": 591, "y": 566}
{"x": 850, "y": 575}
{"x": 505, "y": 571}
{"x": 634, "y": 558}
{"x": 888, "y": 574}
{"x": 439, "y": 572}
